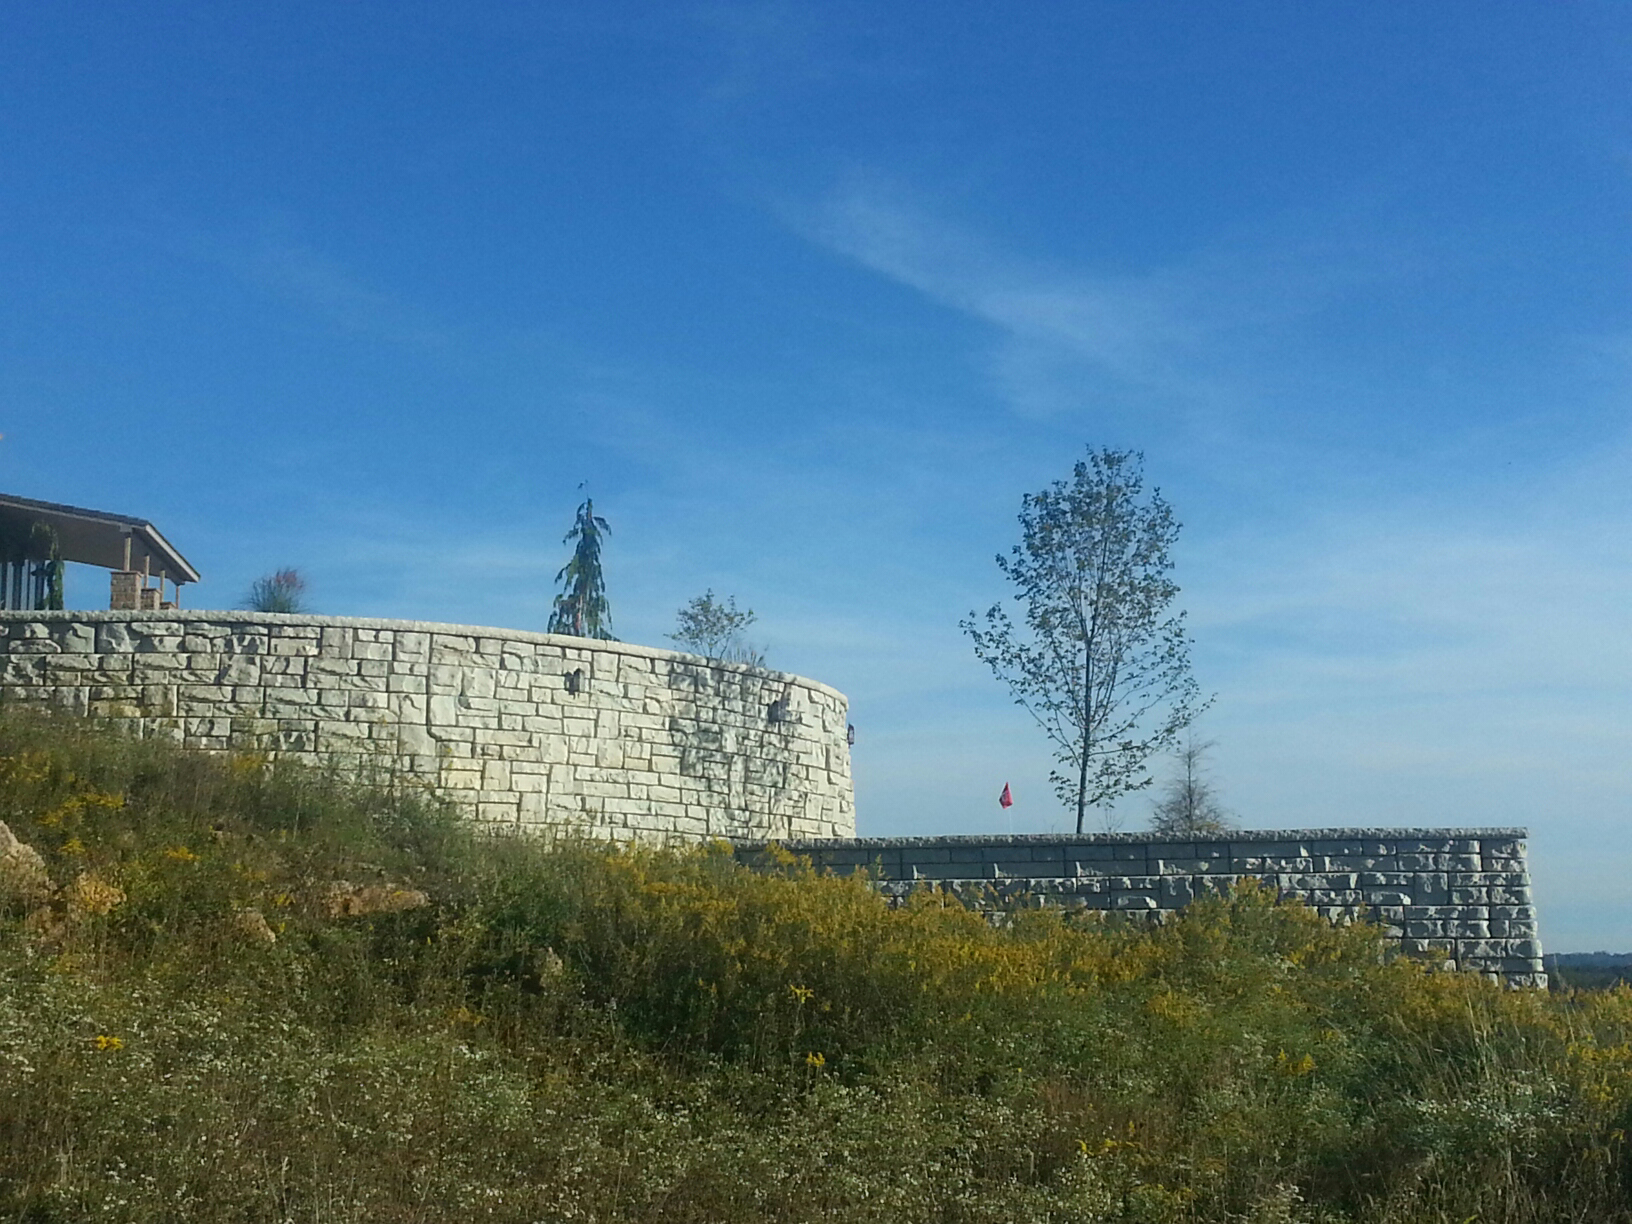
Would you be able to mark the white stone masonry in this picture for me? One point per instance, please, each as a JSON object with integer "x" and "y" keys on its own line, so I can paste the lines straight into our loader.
{"x": 527, "y": 730}
{"x": 1454, "y": 896}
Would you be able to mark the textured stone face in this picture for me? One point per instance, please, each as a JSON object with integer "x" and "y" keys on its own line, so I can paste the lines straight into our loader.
{"x": 1460, "y": 896}
{"x": 524, "y": 730}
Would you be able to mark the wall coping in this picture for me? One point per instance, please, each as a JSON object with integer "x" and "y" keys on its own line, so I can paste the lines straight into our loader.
{"x": 301, "y": 619}
{"x": 1228, "y": 838}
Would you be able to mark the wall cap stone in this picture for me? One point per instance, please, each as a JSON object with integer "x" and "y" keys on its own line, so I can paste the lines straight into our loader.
{"x": 239, "y": 617}
{"x": 1235, "y": 837}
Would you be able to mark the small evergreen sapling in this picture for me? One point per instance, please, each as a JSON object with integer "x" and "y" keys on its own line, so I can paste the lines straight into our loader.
{"x": 581, "y": 609}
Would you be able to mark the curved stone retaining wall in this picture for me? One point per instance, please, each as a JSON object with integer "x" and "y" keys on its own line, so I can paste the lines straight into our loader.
{"x": 524, "y": 729}
{"x": 1456, "y": 895}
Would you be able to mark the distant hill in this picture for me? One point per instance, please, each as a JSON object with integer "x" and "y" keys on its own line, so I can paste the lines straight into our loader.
{"x": 1589, "y": 970}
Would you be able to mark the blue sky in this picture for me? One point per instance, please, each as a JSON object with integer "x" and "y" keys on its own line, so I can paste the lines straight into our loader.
{"x": 810, "y": 294}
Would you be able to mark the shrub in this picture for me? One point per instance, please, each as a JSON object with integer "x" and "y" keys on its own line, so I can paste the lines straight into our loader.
{"x": 282, "y": 591}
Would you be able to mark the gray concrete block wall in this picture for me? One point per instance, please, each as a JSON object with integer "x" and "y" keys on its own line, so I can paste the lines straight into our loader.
{"x": 1454, "y": 895}
{"x": 525, "y": 730}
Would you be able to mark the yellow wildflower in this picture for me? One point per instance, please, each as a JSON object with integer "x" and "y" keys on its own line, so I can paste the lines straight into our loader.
{"x": 1294, "y": 1067}
{"x": 814, "y": 1059}
{"x": 110, "y": 1043}
{"x": 90, "y": 894}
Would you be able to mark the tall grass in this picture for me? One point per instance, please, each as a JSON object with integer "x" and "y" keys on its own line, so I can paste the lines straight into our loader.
{"x": 265, "y": 993}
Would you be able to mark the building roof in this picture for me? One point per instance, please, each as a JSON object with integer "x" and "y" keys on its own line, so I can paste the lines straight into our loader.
{"x": 95, "y": 537}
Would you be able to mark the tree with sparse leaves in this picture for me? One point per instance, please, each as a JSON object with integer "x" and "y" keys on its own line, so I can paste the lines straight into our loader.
{"x": 1100, "y": 662}
{"x": 581, "y": 609}
{"x": 1189, "y": 802}
{"x": 714, "y": 627}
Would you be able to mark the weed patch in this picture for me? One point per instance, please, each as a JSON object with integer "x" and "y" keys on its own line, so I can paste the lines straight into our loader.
{"x": 235, "y": 990}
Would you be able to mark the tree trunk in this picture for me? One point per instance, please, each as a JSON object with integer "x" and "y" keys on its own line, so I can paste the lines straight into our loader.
{"x": 1082, "y": 787}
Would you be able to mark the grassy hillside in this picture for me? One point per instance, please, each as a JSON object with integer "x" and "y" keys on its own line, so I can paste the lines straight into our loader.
{"x": 229, "y": 992}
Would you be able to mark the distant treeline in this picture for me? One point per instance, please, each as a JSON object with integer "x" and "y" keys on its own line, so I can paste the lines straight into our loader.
{"x": 1589, "y": 970}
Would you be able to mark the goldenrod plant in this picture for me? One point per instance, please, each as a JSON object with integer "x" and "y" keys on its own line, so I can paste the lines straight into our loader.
{"x": 236, "y": 989}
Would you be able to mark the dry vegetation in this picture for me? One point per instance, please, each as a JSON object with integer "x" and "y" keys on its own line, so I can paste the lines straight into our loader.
{"x": 233, "y": 992}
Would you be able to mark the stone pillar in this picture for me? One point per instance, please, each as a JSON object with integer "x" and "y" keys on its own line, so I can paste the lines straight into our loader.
{"x": 125, "y": 591}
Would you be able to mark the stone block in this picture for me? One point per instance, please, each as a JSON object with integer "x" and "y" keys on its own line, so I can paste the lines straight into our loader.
{"x": 1421, "y": 862}
{"x": 68, "y": 668}
{"x": 72, "y": 638}
{"x": 1387, "y": 897}
{"x": 1431, "y": 887}
{"x": 1266, "y": 865}
{"x": 1177, "y": 891}
{"x": 1341, "y": 897}
{"x": 1356, "y": 862}
{"x": 1426, "y": 947}
{"x": 239, "y": 671}
{"x": 1185, "y": 866}
{"x": 331, "y": 665}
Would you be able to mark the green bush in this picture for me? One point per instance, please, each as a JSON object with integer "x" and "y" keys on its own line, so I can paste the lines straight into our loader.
{"x": 260, "y": 992}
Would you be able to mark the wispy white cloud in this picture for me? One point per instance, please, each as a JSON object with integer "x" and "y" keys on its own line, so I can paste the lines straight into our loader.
{"x": 323, "y": 285}
{"x": 314, "y": 283}
{"x": 1186, "y": 330}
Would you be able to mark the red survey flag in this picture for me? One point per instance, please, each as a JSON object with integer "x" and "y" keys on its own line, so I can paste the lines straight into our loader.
{"x": 1005, "y": 799}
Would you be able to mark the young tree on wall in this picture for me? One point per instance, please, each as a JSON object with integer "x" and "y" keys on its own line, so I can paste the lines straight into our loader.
{"x": 581, "y": 608}
{"x": 714, "y": 628}
{"x": 283, "y": 591}
{"x": 1100, "y": 663}
{"x": 1189, "y": 802}
{"x": 45, "y": 550}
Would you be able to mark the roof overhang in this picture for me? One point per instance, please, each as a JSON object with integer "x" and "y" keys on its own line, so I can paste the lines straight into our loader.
{"x": 93, "y": 537}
